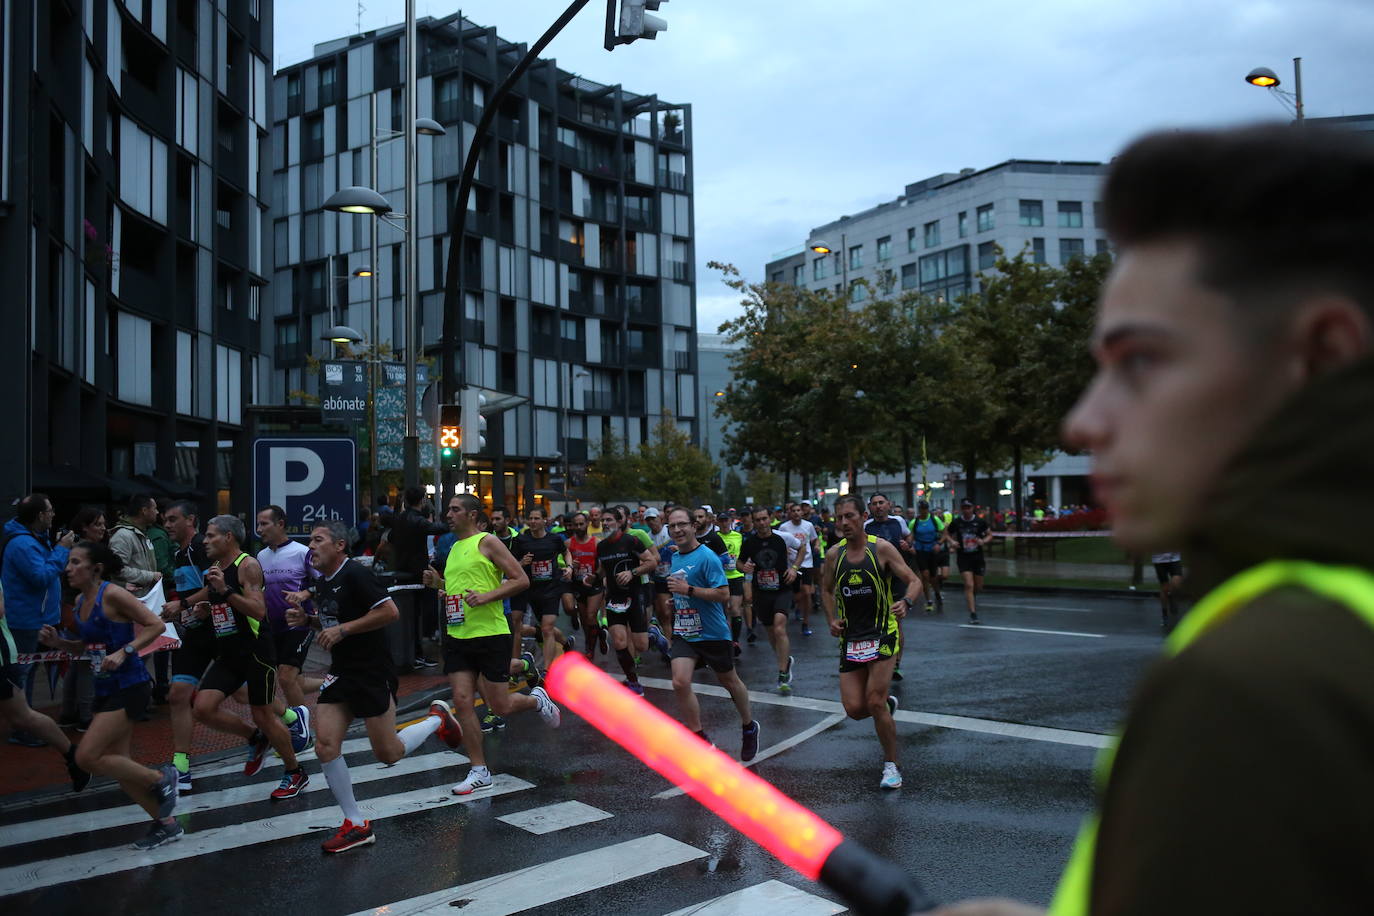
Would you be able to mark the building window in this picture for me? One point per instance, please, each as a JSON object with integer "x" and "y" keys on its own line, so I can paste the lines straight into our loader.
{"x": 1070, "y": 249}
{"x": 911, "y": 239}
{"x": 909, "y": 276}
{"x": 799, "y": 275}
{"x": 963, "y": 224}
{"x": 1070, "y": 214}
{"x": 1102, "y": 247}
{"x": 985, "y": 219}
{"x": 254, "y": 302}
{"x": 818, "y": 268}
{"x": 448, "y": 100}
{"x": 1032, "y": 213}
{"x": 856, "y": 257}
{"x": 1097, "y": 213}
{"x": 327, "y": 84}
{"x": 987, "y": 255}
{"x": 777, "y": 276}
{"x": 858, "y": 290}
{"x": 885, "y": 248}
{"x": 932, "y": 233}
{"x": 293, "y": 95}
{"x": 313, "y": 145}
{"x": 1038, "y": 251}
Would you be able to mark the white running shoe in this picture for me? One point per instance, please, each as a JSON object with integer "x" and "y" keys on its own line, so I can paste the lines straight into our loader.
{"x": 892, "y": 777}
{"x": 548, "y": 709}
{"x": 478, "y": 778}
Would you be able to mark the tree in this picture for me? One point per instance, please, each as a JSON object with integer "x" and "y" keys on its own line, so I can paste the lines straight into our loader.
{"x": 615, "y": 472}
{"x": 671, "y": 468}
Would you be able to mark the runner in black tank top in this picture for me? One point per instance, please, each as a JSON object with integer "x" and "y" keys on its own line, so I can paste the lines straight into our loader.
{"x": 859, "y": 604}
{"x": 243, "y": 654}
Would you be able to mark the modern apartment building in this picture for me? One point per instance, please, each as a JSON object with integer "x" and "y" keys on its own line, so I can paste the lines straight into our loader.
{"x": 713, "y": 353}
{"x": 578, "y": 289}
{"x": 943, "y": 230}
{"x": 131, "y": 216}
{"x": 936, "y": 238}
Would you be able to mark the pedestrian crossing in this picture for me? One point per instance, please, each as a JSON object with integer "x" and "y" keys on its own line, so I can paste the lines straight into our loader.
{"x": 79, "y": 844}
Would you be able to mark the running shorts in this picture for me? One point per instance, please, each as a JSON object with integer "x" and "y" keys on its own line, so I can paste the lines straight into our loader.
{"x": 229, "y": 673}
{"x": 719, "y": 654}
{"x": 134, "y": 700}
{"x": 367, "y": 694}
{"x": 488, "y": 656}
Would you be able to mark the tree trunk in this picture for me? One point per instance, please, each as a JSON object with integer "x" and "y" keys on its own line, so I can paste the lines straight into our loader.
{"x": 971, "y": 478}
{"x": 786, "y": 484}
{"x": 909, "y": 494}
{"x": 806, "y": 485}
{"x": 1019, "y": 489}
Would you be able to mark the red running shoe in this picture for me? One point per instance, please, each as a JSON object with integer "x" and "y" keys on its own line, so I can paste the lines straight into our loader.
{"x": 349, "y": 835}
{"x": 450, "y": 732}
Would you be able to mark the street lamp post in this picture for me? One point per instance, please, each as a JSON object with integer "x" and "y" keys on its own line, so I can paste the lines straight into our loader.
{"x": 1268, "y": 79}
{"x": 410, "y": 449}
{"x": 573, "y": 376}
{"x": 821, "y": 247}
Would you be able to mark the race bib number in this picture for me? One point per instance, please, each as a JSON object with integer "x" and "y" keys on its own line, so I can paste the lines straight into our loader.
{"x": 328, "y": 679}
{"x": 687, "y": 623}
{"x": 454, "y": 613}
{"x": 768, "y": 579}
{"x": 97, "y": 654}
{"x": 861, "y": 650}
{"x": 663, "y": 570}
{"x": 583, "y": 570}
{"x": 188, "y": 617}
{"x": 222, "y": 616}
{"x": 541, "y": 570}
{"x": 728, "y": 561}
{"x": 618, "y": 607}
{"x": 971, "y": 543}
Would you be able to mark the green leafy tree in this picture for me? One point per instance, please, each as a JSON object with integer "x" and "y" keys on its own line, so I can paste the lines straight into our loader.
{"x": 614, "y": 474}
{"x": 670, "y": 467}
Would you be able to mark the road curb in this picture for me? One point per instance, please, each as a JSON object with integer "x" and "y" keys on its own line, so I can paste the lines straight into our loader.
{"x": 1071, "y": 591}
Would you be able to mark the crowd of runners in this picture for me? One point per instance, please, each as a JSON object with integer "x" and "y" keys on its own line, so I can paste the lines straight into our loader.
{"x": 680, "y": 586}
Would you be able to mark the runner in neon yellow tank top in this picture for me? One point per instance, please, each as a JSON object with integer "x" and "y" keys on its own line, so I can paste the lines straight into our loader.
{"x": 479, "y": 576}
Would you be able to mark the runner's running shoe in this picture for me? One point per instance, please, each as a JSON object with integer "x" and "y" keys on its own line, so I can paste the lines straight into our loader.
{"x": 348, "y": 836}
{"x": 477, "y": 778}
{"x": 290, "y": 786}
{"x": 450, "y": 732}
{"x": 892, "y": 777}
{"x": 302, "y": 738}
{"x": 548, "y": 710}
{"x": 158, "y": 835}
{"x": 749, "y": 746}
{"x": 257, "y": 750}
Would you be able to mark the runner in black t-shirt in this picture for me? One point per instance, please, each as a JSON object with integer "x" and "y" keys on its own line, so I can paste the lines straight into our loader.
{"x": 540, "y": 553}
{"x": 621, "y": 559}
{"x": 352, "y": 611}
{"x": 763, "y": 558}
{"x": 967, "y": 534}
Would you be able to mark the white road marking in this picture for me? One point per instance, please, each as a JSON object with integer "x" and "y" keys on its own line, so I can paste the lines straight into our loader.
{"x": 775, "y": 749}
{"x": 555, "y": 817}
{"x": 988, "y": 626}
{"x": 768, "y": 897}
{"x": 1035, "y": 607}
{"x": 321, "y": 821}
{"x": 549, "y": 882}
{"x": 961, "y": 723}
{"x": 33, "y": 831}
{"x": 351, "y": 746}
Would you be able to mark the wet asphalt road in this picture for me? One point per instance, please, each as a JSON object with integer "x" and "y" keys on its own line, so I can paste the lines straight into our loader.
{"x": 982, "y": 811}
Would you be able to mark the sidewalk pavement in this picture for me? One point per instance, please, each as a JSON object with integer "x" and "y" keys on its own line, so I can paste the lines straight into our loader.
{"x": 24, "y": 769}
{"x": 1058, "y": 569}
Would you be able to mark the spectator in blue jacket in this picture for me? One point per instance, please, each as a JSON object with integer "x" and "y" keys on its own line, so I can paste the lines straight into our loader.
{"x": 32, "y": 582}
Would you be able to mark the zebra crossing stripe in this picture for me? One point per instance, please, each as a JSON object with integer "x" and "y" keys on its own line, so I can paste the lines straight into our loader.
{"x": 351, "y": 746}
{"x": 33, "y": 831}
{"x": 549, "y": 882}
{"x": 112, "y": 860}
{"x": 554, "y": 817}
{"x": 768, "y": 897}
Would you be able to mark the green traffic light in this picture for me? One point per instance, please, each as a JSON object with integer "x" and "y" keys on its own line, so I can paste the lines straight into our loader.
{"x": 448, "y": 453}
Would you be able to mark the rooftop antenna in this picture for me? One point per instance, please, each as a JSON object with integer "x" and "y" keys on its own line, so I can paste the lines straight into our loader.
{"x": 361, "y": 10}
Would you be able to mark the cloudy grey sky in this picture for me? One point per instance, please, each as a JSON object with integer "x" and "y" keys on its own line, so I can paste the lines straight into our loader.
{"x": 805, "y": 110}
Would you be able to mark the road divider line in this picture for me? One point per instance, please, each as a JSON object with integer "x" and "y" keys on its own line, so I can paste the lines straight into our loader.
{"x": 939, "y": 720}
{"x": 768, "y": 897}
{"x": 988, "y": 626}
{"x": 549, "y": 882}
{"x": 320, "y": 821}
{"x": 67, "y": 824}
{"x": 774, "y": 749}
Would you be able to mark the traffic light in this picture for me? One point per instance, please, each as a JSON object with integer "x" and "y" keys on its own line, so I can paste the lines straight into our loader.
{"x": 474, "y": 424}
{"x": 633, "y": 23}
{"x": 450, "y": 435}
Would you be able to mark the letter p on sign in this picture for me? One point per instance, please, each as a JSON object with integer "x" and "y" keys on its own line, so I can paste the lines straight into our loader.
{"x": 282, "y": 463}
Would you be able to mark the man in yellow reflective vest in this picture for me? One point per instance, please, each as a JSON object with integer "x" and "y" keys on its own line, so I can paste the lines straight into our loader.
{"x": 1230, "y": 413}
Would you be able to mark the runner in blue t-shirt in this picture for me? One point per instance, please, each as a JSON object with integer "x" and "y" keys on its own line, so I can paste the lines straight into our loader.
{"x": 701, "y": 632}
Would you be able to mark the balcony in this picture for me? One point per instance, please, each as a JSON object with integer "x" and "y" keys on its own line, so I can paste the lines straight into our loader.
{"x": 677, "y": 270}
{"x": 231, "y": 246}
{"x": 639, "y": 217}
{"x": 644, "y": 308}
{"x": 141, "y": 288}
{"x": 289, "y": 352}
{"x": 641, "y": 357}
{"x": 602, "y": 402}
{"x": 676, "y": 181}
{"x": 595, "y": 305}
{"x": 474, "y": 330}
{"x": 601, "y": 209}
{"x": 570, "y": 252}
{"x": 630, "y": 173}
{"x": 544, "y": 346}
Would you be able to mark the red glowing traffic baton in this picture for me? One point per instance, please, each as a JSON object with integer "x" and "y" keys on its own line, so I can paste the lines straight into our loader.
{"x": 788, "y": 830}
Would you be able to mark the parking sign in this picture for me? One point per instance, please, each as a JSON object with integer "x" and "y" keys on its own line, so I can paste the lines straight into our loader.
{"x": 313, "y": 480}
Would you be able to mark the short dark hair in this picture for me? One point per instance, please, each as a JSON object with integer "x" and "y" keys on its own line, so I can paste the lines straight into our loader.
{"x": 338, "y": 531}
{"x": 852, "y": 499}
{"x": 278, "y": 513}
{"x": 100, "y": 554}
{"x": 84, "y": 517}
{"x": 683, "y": 509}
{"x": 30, "y": 507}
{"x": 467, "y": 501}
{"x": 138, "y": 502}
{"x": 413, "y": 495}
{"x": 188, "y": 508}
{"x": 1308, "y": 191}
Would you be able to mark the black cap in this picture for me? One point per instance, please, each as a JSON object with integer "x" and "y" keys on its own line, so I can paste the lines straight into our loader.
{"x": 965, "y": 502}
